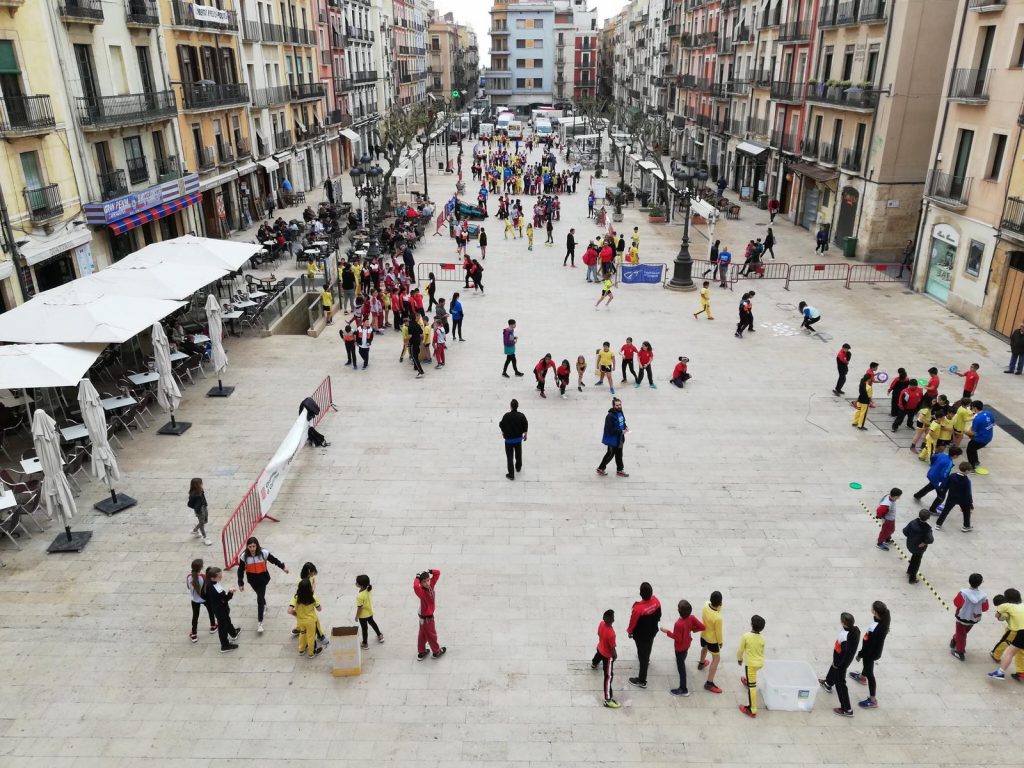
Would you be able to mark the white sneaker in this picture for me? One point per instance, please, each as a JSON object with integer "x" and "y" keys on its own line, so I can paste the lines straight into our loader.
{"x": 259, "y": 628}
{"x": 207, "y": 542}
{"x": 196, "y": 533}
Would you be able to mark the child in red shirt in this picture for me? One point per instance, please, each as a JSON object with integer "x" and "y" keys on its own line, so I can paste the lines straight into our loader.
{"x": 606, "y": 656}
{"x": 679, "y": 374}
{"x": 562, "y": 373}
{"x": 970, "y": 378}
{"x": 681, "y": 633}
{"x": 423, "y": 585}
{"x": 628, "y": 350}
{"x": 644, "y": 356}
{"x": 540, "y": 371}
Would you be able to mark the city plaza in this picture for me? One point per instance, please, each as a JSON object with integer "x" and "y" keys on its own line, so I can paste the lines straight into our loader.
{"x": 741, "y": 482}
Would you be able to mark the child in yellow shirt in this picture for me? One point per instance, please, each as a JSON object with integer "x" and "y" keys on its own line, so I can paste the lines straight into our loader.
{"x": 922, "y": 422}
{"x": 364, "y": 608}
{"x": 304, "y": 607}
{"x": 751, "y": 647}
{"x": 931, "y": 439}
{"x": 711, "y": 639}
{"x": 705, "y": 301}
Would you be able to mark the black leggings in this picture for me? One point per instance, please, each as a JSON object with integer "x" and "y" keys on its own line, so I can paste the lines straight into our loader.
{"x": 457, "y": 328}
{"x": 226, "y": 630}
{"x": 628, "y": 364}
{"x": 868, "y": 672}
{"x": 195, "y": 615}
{"x": 650, "y": 375}
{"x": 510, "y": 359}
{"x": 260, "y": 588}
{"x": 368, "y": 621}
{"x": 414, "y": 352}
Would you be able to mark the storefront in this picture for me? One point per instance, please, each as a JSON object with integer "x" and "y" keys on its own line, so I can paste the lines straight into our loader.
{"x": 941, "y": 258}
{"x": 220, "y": 204}
{"x": 52, "y": 260}
{"x": 142, "y": 218}
{"x": 750, "y": 169}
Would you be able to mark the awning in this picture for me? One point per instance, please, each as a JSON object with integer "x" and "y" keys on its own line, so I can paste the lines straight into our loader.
{"x": 6, "y": 269}
{"x": 216, "y": 181}
{"x": 247, "y": 168}
{"x": 268, "y": 164}
{"x": 39, "y": 249}
{"x": 647, "y": 165}
{"x": 351, "y": 135}
{"x": 750, "y": 148}
{"x": 585, "y": 137}
{"x": 815, "y": 172}
{"x": 302, "y": 125}
{"x": 656, "y": 173}
{"x": 154, "y": 213}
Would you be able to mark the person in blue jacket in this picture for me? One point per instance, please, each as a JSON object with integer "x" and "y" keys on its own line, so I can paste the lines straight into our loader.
{"x": 980, "y": 432}
{"x": 938, "y": 477}
{"x": 455, "y": 310}
{"x": 614, "y": 438}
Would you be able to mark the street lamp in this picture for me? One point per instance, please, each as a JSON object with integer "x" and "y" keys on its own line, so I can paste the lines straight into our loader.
{"x": 683, "y": 265}
{"x": 423, "y": 140}
{"x": 366, "y": 179}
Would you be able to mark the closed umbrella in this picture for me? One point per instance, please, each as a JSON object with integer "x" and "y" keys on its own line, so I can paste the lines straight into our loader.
{"x": 55, "y": 491}
{"x": 220, "y": 357}
{"x": 167, "y": 392}
{"x": 104, "y": 462}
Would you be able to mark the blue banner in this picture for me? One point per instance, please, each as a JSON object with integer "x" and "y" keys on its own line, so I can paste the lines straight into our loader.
{"x": 642, "y": 273}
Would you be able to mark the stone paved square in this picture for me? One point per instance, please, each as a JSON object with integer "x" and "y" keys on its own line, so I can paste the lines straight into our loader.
{"x": 738, "y": 483}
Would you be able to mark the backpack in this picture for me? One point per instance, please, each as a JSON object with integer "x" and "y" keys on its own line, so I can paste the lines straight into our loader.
{"x": 315, "y": 439}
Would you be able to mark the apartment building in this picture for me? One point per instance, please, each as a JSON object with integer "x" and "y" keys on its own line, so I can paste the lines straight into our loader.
{"x": 452, "y": 61}
{"x": 970, "y": 248}
{"x": 410, "y": 25}
{"x": 542, "y": 51}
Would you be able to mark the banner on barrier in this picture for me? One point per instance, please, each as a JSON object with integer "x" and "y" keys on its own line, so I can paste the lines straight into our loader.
{"x": 276, "y": 471}
{"x": 642, "y": 273}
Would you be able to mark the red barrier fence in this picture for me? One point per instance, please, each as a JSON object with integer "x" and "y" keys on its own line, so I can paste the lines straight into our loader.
{"x": 442, "y": 217}
{"x": 451, "y": 272}
{"x": 250, "y": 513}
{"x": 816, "y": 273}
{"x": 770, "y": 270}
{"x": 878, "y": 273}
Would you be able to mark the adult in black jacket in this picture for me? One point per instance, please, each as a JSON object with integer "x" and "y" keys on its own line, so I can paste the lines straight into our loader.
{"x": 842, "y": 656}
{"x": 415, "y": 340}
{"x": 513, "y": 426}
{"x": 871, "y": 651}
{"x": 570, "y": 248}
{"x": 919, "y": 536}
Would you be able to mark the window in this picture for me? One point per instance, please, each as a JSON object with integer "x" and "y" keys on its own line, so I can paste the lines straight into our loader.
{"x": 995, "y": 156}
{"x": 538, "y": 42}
{"x": 538, "y": 63}
{"x": 538, "y": 23}
{"x": 138, "y": 168}
{"x": 975, "y": 253}
{"x": 872, "y": 67}
{"x": 1018, "y": 48}
{"x": 520, "y": 82}
{"x": 520, "y": 43}
{"x": 521, "y": 63}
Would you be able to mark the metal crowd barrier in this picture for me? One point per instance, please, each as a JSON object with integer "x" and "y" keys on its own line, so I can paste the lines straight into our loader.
{"x": 443, "y": 272}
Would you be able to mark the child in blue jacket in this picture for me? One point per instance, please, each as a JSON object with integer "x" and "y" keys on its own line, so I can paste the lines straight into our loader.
{"x": 958, "y": 494}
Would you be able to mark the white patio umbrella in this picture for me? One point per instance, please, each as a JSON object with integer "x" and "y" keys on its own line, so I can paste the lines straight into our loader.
{"x": 220, "y": 357}
{"x": 27, "y": 366}
{"x": 198, "y": 250}
{"x": 104, "y": 462}
{"x": 167, "y": 392}
{"x": 55, "y": 493}
{"x": 155, "y": 279}
{"x": 71, "y": 314}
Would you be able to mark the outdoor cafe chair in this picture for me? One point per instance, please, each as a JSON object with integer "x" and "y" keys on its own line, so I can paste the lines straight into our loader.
{"x": 11, "y": 525}
{"x": 18, "y": 481}
{"x": 74, "y": 465}
{"x": 28, "y": 504}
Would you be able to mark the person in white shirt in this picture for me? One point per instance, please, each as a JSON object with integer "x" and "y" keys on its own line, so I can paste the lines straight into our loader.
{"x": 811, "y": 316}
{"x": 364, "y": 338}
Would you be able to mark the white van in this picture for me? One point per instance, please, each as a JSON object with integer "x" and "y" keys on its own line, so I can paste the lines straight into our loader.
{"x": 465, "y": 123}
{"x": 542, "y": 127}
{"x": 515, "y": 130}
{"x": 486, "y": 130}
{"x": 504, "y": 118}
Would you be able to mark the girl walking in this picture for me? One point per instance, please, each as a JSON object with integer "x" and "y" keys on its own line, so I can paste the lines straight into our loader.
{"x": 304, "y": 607}
{"x": 457, "y": 315}
{"x": 871, "y": 651}
{"x": 431, "y": 290}
{"x": 252, "y": 566}
{"x": 645, "y": 355}
{"x": 529, "y": 236}
{"x": 605, "y": 365}
{"x": 219, "y": 598}
{"x": 197, "y": 503}
{"x": 364, "y": 608}
{"x": 864, "y": 392}
{"x": 195, "y": 583}
{"x": 482, "y": 240}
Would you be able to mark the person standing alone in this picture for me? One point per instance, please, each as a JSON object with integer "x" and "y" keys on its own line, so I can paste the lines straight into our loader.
{"x": 643, "y": 628}
{"x": 509, "y": 339}
{"x": 423, "y": 586}
{"x": 614, "y": 439}
{"x": 843, "y": 366}
{"x": 570, "y": 248}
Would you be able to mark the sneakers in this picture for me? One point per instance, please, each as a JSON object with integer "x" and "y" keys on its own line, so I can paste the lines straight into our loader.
{"x": 579, "y": 388}
{"x": 637, "y": 682}
{"x": 601, "y": 472}
{"x": 746, "y": 711}
{"x": 510, "y": 477}
{"x": 421, "y": 656}
{"x": 380, "y": 639}
{"x": 259, "y": 628}
{"x": 213, "y": 628}
{"x": 653, "y": 385}
{"x": 711, "y": 687}
{"x": 884, "y": 547}
{"x": 842, "y": 712}
{"x": 419, "y": 375}
{"x": 957, "y": 655}
{"x": 967, "y": 528}
{"x": 824, "y": 685}
{"x": 594, "y": 666}
{"x": 229, "y": 647}
{"x": 997, "y": 675}
{"x": 622, "y": 474}
{"x": 867, "y": 704}
{"x": 743, "y": 681}
{"x": 612, "y": 704}
{"x": 196, "y": 533}
{"x": 520, "y": 374}
{"x": 364, "y": 646}
{"x": 440, "y": 653}
{"x": 637, "y": 385}
{"x": 678, "y": 692}
{"x": 611, "y": 390}
{"x": 207, "y": 542}
{"x": 192, "y": 636}
{"x": 506, "y": 376}
{"x": 295, "y": 631}
{"x": 318, "y": 650}
{"x": 564, "y": 397}
{"x": 857, "y": 677}
{"x": 702, "y": 664}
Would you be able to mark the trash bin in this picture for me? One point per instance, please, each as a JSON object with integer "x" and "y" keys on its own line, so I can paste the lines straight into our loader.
{"x": 345, "y": 652}
{"x": 850, "y": 247}
{"x": 762, "y": 201}
{"x": 788, "y": 685}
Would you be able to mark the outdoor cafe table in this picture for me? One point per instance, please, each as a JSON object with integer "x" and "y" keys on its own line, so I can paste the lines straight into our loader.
{"x": 198, "y": 338}
{"x": 7, "y": 500}
{"x": 144, "y": 378}
{"x": 176, "y": 356}
{"x": 113, "y": 403}
{"x": 232, "y": 316}
{"x": 74, "y": 432}
{"x": 33, "y": 466}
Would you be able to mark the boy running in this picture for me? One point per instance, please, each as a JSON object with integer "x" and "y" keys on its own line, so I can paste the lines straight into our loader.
{"x": 705, "y": 301}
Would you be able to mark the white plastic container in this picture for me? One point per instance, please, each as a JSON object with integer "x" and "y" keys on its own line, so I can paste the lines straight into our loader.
{"x": 788, "y": 685}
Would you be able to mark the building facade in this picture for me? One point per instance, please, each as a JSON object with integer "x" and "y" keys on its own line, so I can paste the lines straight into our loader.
{"x": 970, "y": 248}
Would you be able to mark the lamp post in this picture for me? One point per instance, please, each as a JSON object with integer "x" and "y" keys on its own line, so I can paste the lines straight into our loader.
{"x": 366, "y": 179}
{"x": 447, "y": 132}
{"x": 683, "y": 265}
{"x": 424, "y": 139}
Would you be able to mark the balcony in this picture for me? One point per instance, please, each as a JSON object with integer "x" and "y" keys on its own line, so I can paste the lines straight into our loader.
{"x": 720, "y": 125}
{"x": 299, "y": 36}
{"x": 112, "y": 184}
{"x": 705, "y": 39}
{"x": 1013, "y": 217}
{"x": 842, "y": 96}
{"x": 282, "y": 140}
{"x": 138, "y": 170}
{"x": 105, "y": 112}
{"x": 142, "y": 13}
{"x": 743, "y": 34}
{"x": 209, "y": 96}
{"x": 828, "y": 154}
{"x": 771, "y": 17}
{"x": 225, "y": 154}
{"x": 243, "y": 148}
{"x": 673, "y": 30}
{"x": 251, "y": 32}
{"x": 783, "y": 141}
{"x": 969, "y": 86}
{"x": 339, "y": 119}
{"x": 725, "y": 46}
{"x": 792, "y": 93}
{"x": 307, "y": 91}
{"x": 271, "y": 33}
{"x": 206, "y": 159}
{"x": 948, "y": 190}
{"x": 366, "y": 76}
{"x": 838, "y": 14}
{"x": 43, "y": 202}
{"x": 738, "y": 88}
{"x": 497, "y": 31}
{"x": 795, "y": 32}
{"x": 757, "y": 126}
{"x": 761, "y": 78}
{"x": 809, "y": 148}
{"x": 82, "y": 11}
{"x": 873, "y": 11}
{"x": 206, "y": 17}
{"x": 852, "y": 160}
{"x": 25, "y": 115}
{"x": 986, "y": 6}
{"x": 736, "y": 128}
{"x": 273, "y": 96}
{"x": 168, "y": 169}
{"x": 718, "y": 90}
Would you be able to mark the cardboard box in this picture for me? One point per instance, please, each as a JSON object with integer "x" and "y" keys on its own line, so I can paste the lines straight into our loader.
{"x": 347, "y": 656}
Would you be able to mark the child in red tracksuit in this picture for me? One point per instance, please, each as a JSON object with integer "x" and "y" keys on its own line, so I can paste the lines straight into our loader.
{"x": 681, "y": 634}
{"x": 423, "y": 586}
{"x": 886, "y": 510}
{"x": 970, "y": 604}
{"x": 606, "y": 656}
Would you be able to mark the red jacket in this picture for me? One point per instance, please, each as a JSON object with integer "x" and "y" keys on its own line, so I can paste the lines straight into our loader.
{"x": 843, "y": 356}
{"x": 682, "y": 632}
{"x": 679, "y": 370}
{"x": 607, "y": 255}
{"x": 643, "y": 608}
{"x": 426, "y": 596}
{"x": 606, "y": 640}
{"x": 933, "y": 386}
{"x": 543, "y": 366}
{"x": 910, "y": 398}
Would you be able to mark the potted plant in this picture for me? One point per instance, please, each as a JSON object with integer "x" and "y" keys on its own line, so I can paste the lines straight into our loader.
{"x": 617, "y": 213}
{"x": 656, "y": 215}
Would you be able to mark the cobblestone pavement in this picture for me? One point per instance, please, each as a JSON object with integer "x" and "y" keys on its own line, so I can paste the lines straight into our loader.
{"x": 738, "y": 483}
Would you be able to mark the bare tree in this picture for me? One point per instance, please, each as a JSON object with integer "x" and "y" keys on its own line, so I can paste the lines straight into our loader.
{"x": 648, "y": 132}
{"x": 595, "y": 110}
{"x": 397, "y": 135}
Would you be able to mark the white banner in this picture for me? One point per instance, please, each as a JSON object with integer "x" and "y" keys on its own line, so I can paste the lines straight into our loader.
{"x": 276, "y": 471}
{"x": 210, "y": 14}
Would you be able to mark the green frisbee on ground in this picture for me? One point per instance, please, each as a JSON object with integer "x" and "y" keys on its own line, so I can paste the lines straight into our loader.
{"x": 856, "y": 486}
